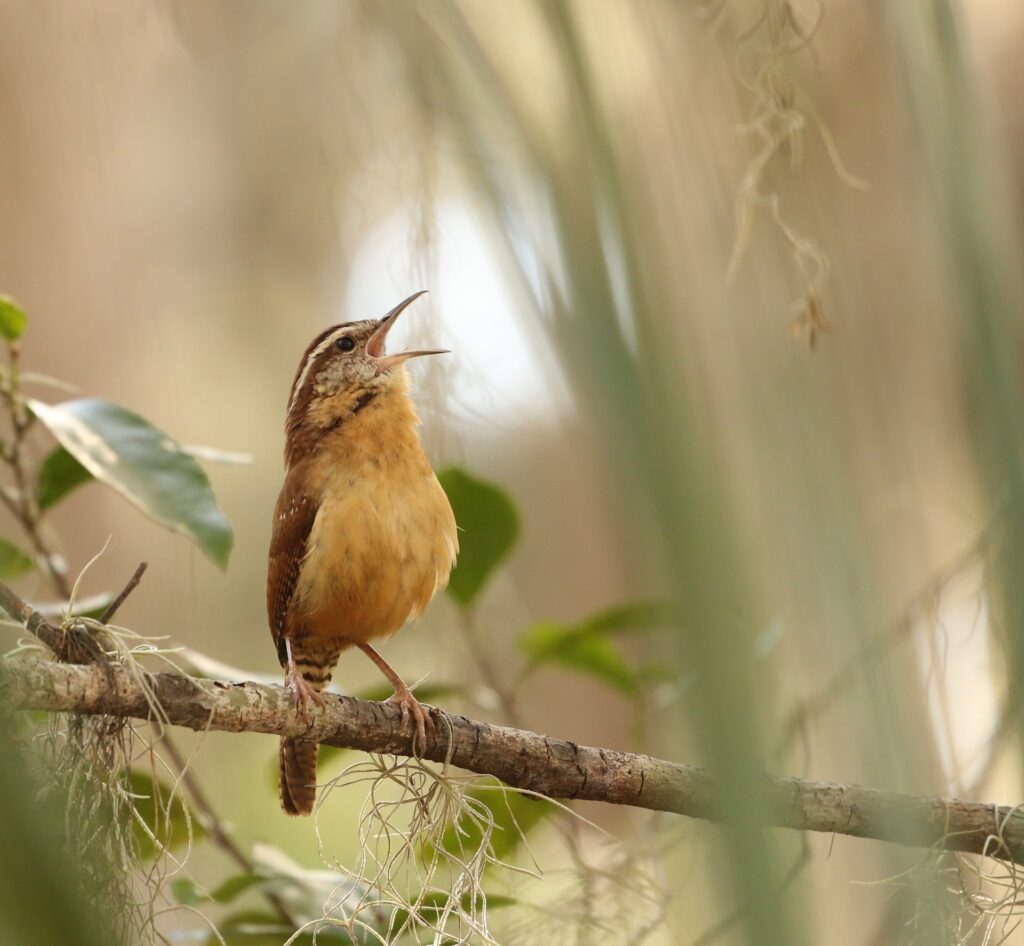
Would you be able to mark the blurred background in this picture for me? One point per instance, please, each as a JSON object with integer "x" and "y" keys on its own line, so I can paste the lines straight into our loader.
{"x": 732, "y": 290}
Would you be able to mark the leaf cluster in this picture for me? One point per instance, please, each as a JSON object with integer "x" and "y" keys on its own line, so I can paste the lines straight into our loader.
{"x": 489, "y": 529}
{"x": 103, "y": 442}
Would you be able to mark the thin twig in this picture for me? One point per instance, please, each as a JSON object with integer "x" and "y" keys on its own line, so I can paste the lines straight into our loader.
{"x": 133, "y": 582}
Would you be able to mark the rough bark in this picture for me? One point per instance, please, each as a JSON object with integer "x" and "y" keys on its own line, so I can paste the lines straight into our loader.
{"x": 527, "y": 760}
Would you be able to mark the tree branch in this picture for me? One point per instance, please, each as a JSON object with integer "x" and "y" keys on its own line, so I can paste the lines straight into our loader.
{"x": 522, "y": 759}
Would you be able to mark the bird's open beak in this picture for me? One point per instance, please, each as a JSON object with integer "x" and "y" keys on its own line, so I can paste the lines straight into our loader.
{"x": 375, "y": 344}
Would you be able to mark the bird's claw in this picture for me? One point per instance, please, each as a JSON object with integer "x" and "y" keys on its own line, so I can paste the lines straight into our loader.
{"x": 304, "y": 692}
{"x": 412, "y": 708}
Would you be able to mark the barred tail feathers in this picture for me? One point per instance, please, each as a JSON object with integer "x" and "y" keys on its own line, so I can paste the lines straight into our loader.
{"x": 298, "y": 775}
{"x": 298, "y": 755}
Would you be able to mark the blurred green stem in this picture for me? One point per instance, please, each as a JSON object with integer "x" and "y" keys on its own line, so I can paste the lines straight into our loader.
{"x": 22, "y": 503}
{"x": 971, "y": 198}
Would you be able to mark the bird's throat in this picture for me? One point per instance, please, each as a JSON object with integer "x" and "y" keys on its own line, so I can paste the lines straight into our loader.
{"x": 353, "y": 422}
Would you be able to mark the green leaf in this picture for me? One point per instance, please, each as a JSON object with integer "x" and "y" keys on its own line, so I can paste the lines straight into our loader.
{"x": 59, "y": 475}
{"x": 586, "y": 645}
{"x": 12, "y": 319}
{"x": 169, "y": 823}
{"x": 488, "y": 528}
{"x": 514, "y": 815}
{"x": 145, "y": 465}
{"x": 13, "y": 561}
{"x": 590, "y": 653}
{"x": 234, "y": 887}
{"x": 632, "y": 617}
{"x": 185, "y": 890}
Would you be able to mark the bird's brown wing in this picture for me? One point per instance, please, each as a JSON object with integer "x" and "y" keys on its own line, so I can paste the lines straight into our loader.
{"x": 294, "y": 516}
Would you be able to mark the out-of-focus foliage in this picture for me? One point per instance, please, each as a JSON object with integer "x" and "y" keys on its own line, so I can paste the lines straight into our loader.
{"x": 186, "y": 891}
{"x": 12, "y": 319}
{"x": 40, "y": 894}
{"x": 13, "y": 561}
{"x": 488, "y": 528}
{"x": 589, "y": 646}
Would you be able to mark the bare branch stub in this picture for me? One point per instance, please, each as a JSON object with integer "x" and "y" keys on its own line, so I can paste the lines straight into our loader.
{"x": 114, "y": 606}
{"x": 522, "y": 759}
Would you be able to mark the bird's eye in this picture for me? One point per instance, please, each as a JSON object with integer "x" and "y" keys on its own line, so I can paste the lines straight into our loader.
{"x": 345, "y": 343}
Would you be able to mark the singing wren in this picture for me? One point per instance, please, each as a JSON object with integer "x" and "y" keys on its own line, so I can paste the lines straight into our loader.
{"x": 363, "y": 533}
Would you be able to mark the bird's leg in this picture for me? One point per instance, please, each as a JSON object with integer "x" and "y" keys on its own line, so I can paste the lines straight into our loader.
{"x": 403, "y": 697}
{"x": 303, "y": 689}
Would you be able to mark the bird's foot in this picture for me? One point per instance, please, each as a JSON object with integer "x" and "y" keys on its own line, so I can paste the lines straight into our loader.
{"x": 304, "y": 692}
{"x": 411, "y": 707}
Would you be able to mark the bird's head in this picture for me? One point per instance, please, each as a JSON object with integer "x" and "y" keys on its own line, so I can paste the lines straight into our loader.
{"x": 347, "y": 366}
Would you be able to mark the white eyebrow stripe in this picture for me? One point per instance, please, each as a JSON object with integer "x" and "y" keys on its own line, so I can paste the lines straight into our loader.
{"x": 311, "y": 357}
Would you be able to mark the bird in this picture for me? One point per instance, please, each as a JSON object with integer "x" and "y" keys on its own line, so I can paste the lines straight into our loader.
{"x": 363, "y": 533}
